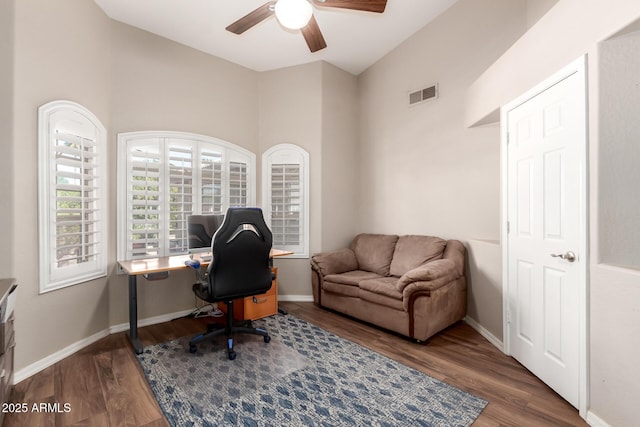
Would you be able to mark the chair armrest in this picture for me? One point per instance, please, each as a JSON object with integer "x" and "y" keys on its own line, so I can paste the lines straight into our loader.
{"x": 335, "y": 262}
{"x": 431, "y": 275}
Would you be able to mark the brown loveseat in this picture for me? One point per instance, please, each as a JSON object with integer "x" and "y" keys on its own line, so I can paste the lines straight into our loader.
{"x": 413, "y": 285}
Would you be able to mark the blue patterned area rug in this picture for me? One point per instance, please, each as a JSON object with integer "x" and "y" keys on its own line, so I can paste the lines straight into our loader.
{"x": 305, "y": 376}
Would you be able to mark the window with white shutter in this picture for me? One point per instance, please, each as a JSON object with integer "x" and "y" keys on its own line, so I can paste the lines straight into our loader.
{"x": 180, "y": 164}
{"x": 237, "y": 184}
{"x": 143, "y": 201}
{"x": 72, "y": 194}
{"x": 285, "y": 170}
{"x": 169, "y": 176}
{"x": 211, "y": 184}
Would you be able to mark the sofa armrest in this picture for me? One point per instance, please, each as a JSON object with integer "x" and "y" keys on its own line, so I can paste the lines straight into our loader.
{"x": 335, "y": 262}
{"x": 430, "y": 275}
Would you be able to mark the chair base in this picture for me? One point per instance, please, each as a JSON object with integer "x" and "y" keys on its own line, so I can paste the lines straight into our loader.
{"x": 229, "y": 330}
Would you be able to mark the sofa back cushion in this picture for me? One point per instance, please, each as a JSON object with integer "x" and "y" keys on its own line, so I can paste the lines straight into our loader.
{"x": 374, "y": 252}
{"x": 413, "y": 251}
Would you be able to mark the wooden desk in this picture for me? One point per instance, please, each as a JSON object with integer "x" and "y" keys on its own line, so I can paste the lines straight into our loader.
{"x": 155, "y": 265}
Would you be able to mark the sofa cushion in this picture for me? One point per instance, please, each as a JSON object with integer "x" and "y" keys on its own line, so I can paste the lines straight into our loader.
{"x": 381, "y": 291}
{"x": 344, "y": 290}
{"x": 413, "y": 251}
{"x": 382, "y": 300}
{"x": 350, "y": 277}
{"x": 374, "y": 252}
{"x": 383, "y": 286}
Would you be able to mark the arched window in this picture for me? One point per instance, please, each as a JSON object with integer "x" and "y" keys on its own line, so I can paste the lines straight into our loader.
{"x": 285, "y": 170}
{"x": 165, "y": 176}
{"x": 72, "y": 190}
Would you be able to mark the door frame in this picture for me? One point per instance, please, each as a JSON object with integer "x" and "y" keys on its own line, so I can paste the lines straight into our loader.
{"x": 579, "y": 67}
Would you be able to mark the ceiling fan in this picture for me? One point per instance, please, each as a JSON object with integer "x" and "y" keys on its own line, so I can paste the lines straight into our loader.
{"x": 298, "y": 14}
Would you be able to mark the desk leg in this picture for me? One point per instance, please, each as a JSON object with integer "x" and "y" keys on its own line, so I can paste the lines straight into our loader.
{"x": 133, "y": 314}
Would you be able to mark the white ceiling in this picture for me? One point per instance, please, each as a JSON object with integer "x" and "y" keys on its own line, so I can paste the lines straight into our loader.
{"x": 355, "y": 40}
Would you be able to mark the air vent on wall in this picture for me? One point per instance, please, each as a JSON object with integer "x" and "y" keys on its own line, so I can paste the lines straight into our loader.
{"x": 422, "y": 95}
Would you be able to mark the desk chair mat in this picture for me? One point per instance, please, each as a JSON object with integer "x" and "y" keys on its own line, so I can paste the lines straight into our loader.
{"x": 218, "y": 380}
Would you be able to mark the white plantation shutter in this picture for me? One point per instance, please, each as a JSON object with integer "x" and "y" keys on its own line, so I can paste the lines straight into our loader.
{"x": 286, "y": 189}
{"x": 238, "y": 185}
{"x": 180, "y": 165}
{"x": 72, "y": 190}
{"x": 211, "y": 182}
{"x": 144, "y": 199}
{"x": 75, "y": 213}
{"x": 286, "y": 205}
{"x": 170, "y": 176}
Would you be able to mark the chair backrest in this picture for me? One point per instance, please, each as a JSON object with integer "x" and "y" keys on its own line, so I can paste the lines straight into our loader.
{"x": 240, "y": 265}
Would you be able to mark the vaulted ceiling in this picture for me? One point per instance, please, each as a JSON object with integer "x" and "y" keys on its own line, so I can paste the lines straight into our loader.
{"x": 355, "y": 39}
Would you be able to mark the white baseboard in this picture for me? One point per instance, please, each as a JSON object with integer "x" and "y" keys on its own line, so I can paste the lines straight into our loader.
{"x": 595, "y": 421}
{"x": 42, "y": 364}
{"x": 150, "y": 321}
{"x": 296, "y": 298}
{"x": 485, "y": 333}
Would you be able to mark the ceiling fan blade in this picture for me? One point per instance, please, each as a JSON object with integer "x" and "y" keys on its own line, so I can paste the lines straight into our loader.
{"x": 313, "y": 35}
{"x": 253, "y": 18}
{"x": 377, "y": 6}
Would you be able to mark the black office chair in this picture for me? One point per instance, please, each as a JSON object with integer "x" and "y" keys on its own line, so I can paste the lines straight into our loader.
{"x": 240, "y": 268}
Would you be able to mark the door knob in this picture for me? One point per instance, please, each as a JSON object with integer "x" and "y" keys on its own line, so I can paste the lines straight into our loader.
{"x": 569, "y": 256}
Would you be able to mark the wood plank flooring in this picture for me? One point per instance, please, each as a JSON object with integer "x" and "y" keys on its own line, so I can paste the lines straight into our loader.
{"x": 104, "y": 385}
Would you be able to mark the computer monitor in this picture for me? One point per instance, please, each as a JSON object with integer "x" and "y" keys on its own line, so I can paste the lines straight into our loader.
{"x": 201, "y": 229}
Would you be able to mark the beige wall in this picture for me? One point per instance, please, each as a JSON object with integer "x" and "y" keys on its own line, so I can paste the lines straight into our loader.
{"x": 423, "y": 171}
{"x": 615, "y": 228}
{"x": 161, "y": 85}
{"x": 619, "y": 106}
{"x": 340, "y": 160}
{"x": 570, "y": 29}
{"x": 536, "y": 10}
{"x": 6, "y": 129}
{"x": 290, "y": 102}
{"x": 62, "y": 51}
{"x": 314, "y": 106}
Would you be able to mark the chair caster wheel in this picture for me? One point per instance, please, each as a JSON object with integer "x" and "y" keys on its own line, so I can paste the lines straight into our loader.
{"x": 192, "y": 348}
{"x": 267, "y": 338}
{"x": 232, "y": 355}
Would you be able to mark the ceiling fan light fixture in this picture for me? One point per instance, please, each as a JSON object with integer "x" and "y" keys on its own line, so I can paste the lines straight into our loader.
{"x": 293, "y": 14}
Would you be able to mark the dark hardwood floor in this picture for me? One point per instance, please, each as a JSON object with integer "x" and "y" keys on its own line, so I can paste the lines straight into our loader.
{"x": 103, "y": 384}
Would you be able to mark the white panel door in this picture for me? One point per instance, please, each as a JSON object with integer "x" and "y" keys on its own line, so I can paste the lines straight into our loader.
{"x": 545, "y": 154}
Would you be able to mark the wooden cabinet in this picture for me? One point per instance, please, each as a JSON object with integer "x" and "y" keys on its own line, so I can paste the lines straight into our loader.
{"x": 257, "y": 306}
{"x": 7, "y": 339}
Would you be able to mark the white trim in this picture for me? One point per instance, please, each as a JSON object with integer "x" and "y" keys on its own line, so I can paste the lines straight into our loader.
{"x": 59, "y": 355}
{"x": 149, "y": 321}
{"x": 230, "y": 152}
{"x": 595, "y": 421}
{"x": 294, "y": 154}
{"x": 485, "y": 333}
{"x": 295, "y": 298}
{"x": 51, "y": 359}
{"x": 576, "y": 67}
{"x": 83, "y": 121}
